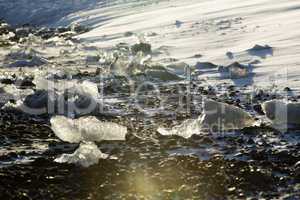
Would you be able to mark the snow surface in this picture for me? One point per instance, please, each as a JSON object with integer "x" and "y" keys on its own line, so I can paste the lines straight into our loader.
{"x": 222, "y": 31}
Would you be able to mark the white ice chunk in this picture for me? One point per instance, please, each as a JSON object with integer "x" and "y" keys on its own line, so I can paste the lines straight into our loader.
{"x": 186, "y": 129}
{"x": 13, "y": 90}
{"x": 86, "y": 129}
{"x": 282, "y": 113}
{"x": 60, "y": 86}
{"x": 85, "y": 88}
{"x": 86, "y": 155}
{"x": 216, "y": 117}
{"x": 178, "y": 68}
{"x": 70, "y": 97}
{"x": 227, "y": 117}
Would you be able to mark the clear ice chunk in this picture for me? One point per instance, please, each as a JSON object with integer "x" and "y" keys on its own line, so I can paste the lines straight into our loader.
{"x": 216, "y": 117}
{"x": 86, "y": 155}
{"x": 86, "y": 129}
{"x": 282, "y": 112}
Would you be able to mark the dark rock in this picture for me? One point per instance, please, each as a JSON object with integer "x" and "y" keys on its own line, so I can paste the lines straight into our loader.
{"x": 63, "y": 29}
{"x": 26, "y": 83}
{"x": 205, "y": 65}
{"x": 257, "y": 108}
{"x": 80, "y": 28}
{"x": 7, "y": 81}
{"x": 23, "y": 32}
{"x": 287, "y": 89}
{"x": 230, "y": 55}
{"x": 143, "y": 47}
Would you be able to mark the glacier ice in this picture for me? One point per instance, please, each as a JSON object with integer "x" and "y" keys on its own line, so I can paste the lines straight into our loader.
{"x": 281, "y": 112}
{"x": 216, "y": 117}
{"x": 86, "y": 129}
{"x": 86, "y": 155}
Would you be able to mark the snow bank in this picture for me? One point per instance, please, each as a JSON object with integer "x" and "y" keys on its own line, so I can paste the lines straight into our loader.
{"x": 86, "y": 129}
{"x": 216, "y": 117}
{"x": 86, "y": 155}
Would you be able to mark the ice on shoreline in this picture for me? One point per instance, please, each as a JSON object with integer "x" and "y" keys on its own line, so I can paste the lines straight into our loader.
{"x": 225, "y": 116}
{"x": 216, "y": 117}
{"x": 282, "y": 112}
{"x": 86, "y": 155}
{"x": 67, "y": 97}
{"x": 86, "y": 129}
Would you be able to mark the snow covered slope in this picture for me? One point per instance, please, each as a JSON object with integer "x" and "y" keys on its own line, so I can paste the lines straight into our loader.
{"x": 182, "y": 29}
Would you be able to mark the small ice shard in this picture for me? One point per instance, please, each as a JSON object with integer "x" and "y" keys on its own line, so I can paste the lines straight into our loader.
{"x": 12, "y": 106}
{"x": 86, "y": 129}
{"x": 185, "y": 130}
{"x": 13, "y": 90}
{"x": 85, "y": 88}
{"x": 234, "y": 70}
{"x": 59, "y": 86}
{"x": 86, "y": 155}
{"x": 178, "y": 68}
{"x": 162, "y": 75}
{"x": 216, "y": 117}
{"x": 282, "y": 113}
